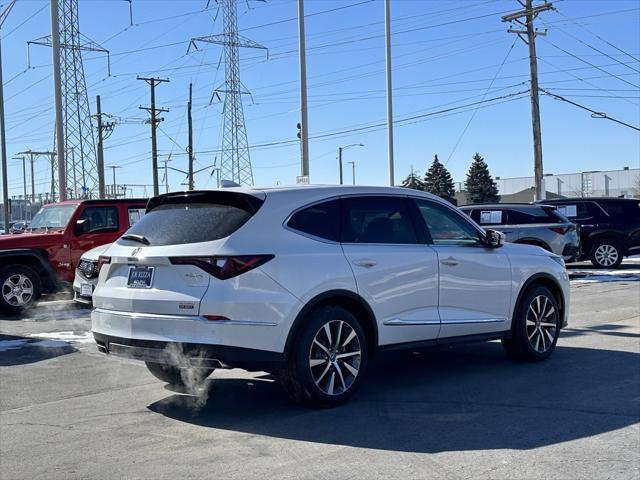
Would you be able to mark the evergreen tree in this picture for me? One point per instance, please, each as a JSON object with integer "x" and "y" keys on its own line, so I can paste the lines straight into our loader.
{"x": 413, "y": 181}
{"x": 438, "y": 181}
{"x": 479, "y": 185}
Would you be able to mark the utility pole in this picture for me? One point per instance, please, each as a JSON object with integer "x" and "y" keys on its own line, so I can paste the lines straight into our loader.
{"x": 531, "y": 13}
{"x": 3, "y": 139}
{"x": 57, "y": 94}
{"x": 304, "y": 127}
{"x": 100, "y": 150}
{"x": 190, "y": 146}
{"x": 113, "y": 170}
{"x": 154, "y": 120}
{"x": 387, "y": 34}
{"x": 353, "y": 171}
{"x": 33, "y": 155}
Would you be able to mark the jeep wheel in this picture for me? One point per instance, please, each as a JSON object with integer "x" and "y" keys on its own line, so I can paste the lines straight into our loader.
{"x": 20, "y": 287}
{"x": 606, "y": 253}
{"x": 329, "y": 359}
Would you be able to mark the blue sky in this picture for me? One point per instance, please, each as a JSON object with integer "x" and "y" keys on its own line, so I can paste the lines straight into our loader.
{"x": 445, "y": 54}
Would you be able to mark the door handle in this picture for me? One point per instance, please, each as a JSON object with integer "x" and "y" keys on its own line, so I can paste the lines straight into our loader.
{"x": 365, "y": 262}
{"x": 452, "y": 262}
{"x": 507, "y": 231}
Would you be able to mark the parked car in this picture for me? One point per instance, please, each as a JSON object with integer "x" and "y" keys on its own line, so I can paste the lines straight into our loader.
{"x": 45, "y": 257}
{"x": 540, "y": 225}
{"x": 609, "y": 227}
{"x": 19, "y": 226}
{"x": 86, "y": 277}
{"x": 309, "y": 282}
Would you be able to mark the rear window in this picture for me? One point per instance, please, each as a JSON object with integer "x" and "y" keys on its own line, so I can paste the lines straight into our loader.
{"x": 525, "y": 216}
{"x": 321, "y": 220}
{"x": 179, "y": 223}
{"x": 377, "y": 220}
{"x": 622, "y": 209}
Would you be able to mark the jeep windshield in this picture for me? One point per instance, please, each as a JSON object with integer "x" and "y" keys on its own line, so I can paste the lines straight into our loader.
{"x": 52, "y": 217}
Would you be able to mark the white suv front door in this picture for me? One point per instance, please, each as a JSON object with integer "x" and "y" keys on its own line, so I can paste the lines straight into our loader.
{"x": 394, "y": 272}
{"x": 475, "y": 281}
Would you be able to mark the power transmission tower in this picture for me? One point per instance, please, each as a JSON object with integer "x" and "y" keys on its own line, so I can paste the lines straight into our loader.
{"x": 531, "y": 13}
{"x": 235, "y": 163}
{"x": 77, "y": 174}
{"x": 154, "y": 120}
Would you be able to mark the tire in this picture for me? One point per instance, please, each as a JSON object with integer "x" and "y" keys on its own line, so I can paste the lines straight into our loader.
{"x": 535, "y": 327}
{"x": 180, "y": 377}
{"x": 19, "y": 287}
{"x": 606, "y": 253}
{"x": 329, "y": 359}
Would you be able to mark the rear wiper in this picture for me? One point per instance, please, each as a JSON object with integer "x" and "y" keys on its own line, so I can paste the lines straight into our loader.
{"x": 136, "y": 238}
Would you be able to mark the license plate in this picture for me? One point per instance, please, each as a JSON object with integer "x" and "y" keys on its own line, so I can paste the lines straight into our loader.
{"x": 86, "y": 289}
{"x": 140, "y": 277}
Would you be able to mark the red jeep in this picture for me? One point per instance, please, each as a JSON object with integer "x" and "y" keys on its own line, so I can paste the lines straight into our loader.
{"x": 46, "y": 255}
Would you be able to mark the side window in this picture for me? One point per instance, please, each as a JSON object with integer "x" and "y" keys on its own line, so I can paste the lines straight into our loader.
{"x": 574, "y": 210}
{"x": 135, "y": 214}
{"x": 445, "y": 226}
{"x": 320, "y": 220}
{"x": 491, "y": 217}
{"x": 377, "y": 220}
{"x": 101, "y": 219}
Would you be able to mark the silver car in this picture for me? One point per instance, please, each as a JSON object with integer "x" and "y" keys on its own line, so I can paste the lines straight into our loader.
{"x": 540, "y": 225}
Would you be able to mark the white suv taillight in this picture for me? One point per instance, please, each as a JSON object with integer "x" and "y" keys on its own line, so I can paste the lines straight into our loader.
{"x": 224, "y": 267}
{"x": 103, "y": 260}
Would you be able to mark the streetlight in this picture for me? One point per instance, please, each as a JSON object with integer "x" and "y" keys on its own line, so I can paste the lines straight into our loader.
{"x": 353, "y": 171}
{"x": 340, "y": 149}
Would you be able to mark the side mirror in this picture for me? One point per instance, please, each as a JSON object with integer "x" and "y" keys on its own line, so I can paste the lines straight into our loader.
{"x": 493, "y": 239}
{"x": 83, "y": 226}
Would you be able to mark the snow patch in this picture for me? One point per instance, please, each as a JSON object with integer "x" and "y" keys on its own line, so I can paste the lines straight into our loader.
{"x": 85, "y": 337}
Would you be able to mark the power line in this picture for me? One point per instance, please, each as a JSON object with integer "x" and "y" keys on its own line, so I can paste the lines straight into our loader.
{"x": 504, "y": 60}
{"x": 594, "y": 114}
{"x": 591, "y": 64}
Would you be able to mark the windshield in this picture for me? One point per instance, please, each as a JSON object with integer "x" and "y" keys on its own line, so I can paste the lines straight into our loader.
{"x": 52, "y": 217}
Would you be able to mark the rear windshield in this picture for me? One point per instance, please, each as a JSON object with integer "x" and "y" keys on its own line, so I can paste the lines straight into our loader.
{"x": 179, "y": 223}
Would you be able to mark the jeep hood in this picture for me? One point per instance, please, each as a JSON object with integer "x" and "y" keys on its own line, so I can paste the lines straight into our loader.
{"x": 31, "y": 240}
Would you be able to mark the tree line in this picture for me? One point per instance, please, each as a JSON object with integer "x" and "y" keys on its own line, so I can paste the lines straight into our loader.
{"x": 479, "y": 184}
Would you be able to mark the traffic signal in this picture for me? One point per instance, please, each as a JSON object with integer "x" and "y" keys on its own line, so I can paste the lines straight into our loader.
{"x": 299, "y": 125}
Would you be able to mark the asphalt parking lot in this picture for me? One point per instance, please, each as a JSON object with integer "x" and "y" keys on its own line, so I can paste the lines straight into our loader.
{"x": 66, "y": 411}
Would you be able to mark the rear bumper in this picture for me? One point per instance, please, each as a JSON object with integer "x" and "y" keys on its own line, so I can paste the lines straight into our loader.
{"x": 188, "y": 354}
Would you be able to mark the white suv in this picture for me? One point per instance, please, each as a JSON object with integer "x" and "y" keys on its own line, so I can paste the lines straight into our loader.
{"x": 308, "y": 283}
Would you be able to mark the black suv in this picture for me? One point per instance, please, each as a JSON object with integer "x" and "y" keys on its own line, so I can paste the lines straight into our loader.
{"x": 609, "y": 227}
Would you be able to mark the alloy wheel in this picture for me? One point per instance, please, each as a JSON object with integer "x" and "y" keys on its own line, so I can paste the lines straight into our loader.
{"x": 334, "y": 357}
{"x": 17, "y": 290}
{"x": 606, "y": 255}
{"x": 541, "y": 323}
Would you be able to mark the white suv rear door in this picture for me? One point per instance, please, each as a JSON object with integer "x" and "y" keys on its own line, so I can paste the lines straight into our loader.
{"x": 395, "y": 273}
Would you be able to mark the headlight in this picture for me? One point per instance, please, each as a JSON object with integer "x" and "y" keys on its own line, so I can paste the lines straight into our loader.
{"x": 558, "y": 260}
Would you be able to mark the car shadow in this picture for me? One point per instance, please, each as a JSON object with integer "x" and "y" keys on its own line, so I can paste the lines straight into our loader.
{"x": 611, "y": 329}
{"x": 16, "y": 350}
{"x": 454, "y": 399}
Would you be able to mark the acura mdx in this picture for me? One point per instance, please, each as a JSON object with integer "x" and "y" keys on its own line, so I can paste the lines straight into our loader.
{"x": 310, "y": 282}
